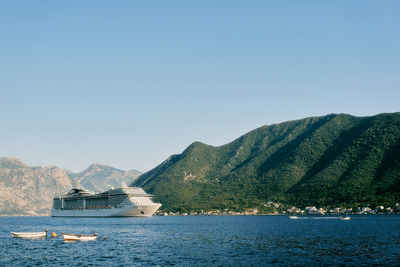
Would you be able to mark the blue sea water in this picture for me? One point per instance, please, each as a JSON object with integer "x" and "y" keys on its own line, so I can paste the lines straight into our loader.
{"x": 205, "y": 241}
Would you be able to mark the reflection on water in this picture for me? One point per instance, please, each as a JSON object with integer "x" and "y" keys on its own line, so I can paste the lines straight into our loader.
{"x": 204, "y": 240}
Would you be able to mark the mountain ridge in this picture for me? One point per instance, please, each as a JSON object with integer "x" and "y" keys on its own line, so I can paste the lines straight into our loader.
{"x": 299, "y": 162}
{"x": 26, "y": 190}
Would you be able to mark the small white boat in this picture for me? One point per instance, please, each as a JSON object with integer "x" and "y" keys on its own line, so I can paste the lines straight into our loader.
{"x": 293, "y": 217}
{"x": 347, "y": 218}
{"x": 29, "y": 234}
{"x": 73, "y": 237}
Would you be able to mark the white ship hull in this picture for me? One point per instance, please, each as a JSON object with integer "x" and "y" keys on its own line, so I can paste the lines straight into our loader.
{"x": 129, "y": 211}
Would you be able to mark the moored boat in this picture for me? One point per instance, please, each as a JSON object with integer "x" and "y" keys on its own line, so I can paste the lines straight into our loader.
{"x": 73, "y": 237}
{"x": 29, "y": 234}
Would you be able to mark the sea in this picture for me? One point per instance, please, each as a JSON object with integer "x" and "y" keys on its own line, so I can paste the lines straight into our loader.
{"x": 364, "y": 240}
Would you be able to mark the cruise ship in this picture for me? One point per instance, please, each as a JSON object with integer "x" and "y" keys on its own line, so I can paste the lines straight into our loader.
{"x": 121, "y": 202}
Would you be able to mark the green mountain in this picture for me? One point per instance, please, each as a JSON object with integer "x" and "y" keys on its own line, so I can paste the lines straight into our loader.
{"x": 336, "y": 159}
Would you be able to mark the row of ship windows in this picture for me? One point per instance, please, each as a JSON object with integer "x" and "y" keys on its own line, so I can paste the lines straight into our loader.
{"x": 141, "y": 200}
{"x": 91, "y": 208}
{"x": 82, "y": 208}
{"x": 97, "y": 203}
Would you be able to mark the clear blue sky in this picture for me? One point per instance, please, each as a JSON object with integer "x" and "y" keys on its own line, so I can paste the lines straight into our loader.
{"x": 128, "y": 83}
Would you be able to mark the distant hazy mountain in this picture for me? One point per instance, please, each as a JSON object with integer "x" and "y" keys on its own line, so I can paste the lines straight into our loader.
{"x": 336, "y": 159}
{"x": 99, "y": 177}
{"x": 28, "y": 190}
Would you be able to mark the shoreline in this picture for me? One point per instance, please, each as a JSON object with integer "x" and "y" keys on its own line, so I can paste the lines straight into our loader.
{"x": 204, "y": 215}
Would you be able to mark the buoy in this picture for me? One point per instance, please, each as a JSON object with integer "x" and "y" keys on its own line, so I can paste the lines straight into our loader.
{"x": 54, "y": 235}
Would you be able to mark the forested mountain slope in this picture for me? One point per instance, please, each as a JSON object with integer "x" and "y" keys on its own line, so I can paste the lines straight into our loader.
{"x": 336, "y": 159}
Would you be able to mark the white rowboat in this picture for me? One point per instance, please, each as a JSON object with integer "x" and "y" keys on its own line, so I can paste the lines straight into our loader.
{"x": 72, "y": 237}
{"x": 29, "y": 234}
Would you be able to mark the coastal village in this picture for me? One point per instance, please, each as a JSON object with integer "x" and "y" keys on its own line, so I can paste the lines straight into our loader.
{"x": 280, "y": 209}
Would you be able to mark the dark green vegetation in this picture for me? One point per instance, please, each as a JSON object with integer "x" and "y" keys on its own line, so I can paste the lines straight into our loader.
{"x": 335, "y": 160}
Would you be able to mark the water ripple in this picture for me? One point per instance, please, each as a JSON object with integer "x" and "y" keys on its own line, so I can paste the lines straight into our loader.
{"x": 204, "y": 241}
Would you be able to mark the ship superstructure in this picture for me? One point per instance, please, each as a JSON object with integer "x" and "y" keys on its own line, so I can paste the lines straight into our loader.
{"x": 121, "y": 202}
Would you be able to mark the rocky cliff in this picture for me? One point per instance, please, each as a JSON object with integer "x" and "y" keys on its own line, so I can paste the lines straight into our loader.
{"x": 28, "y": 190}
